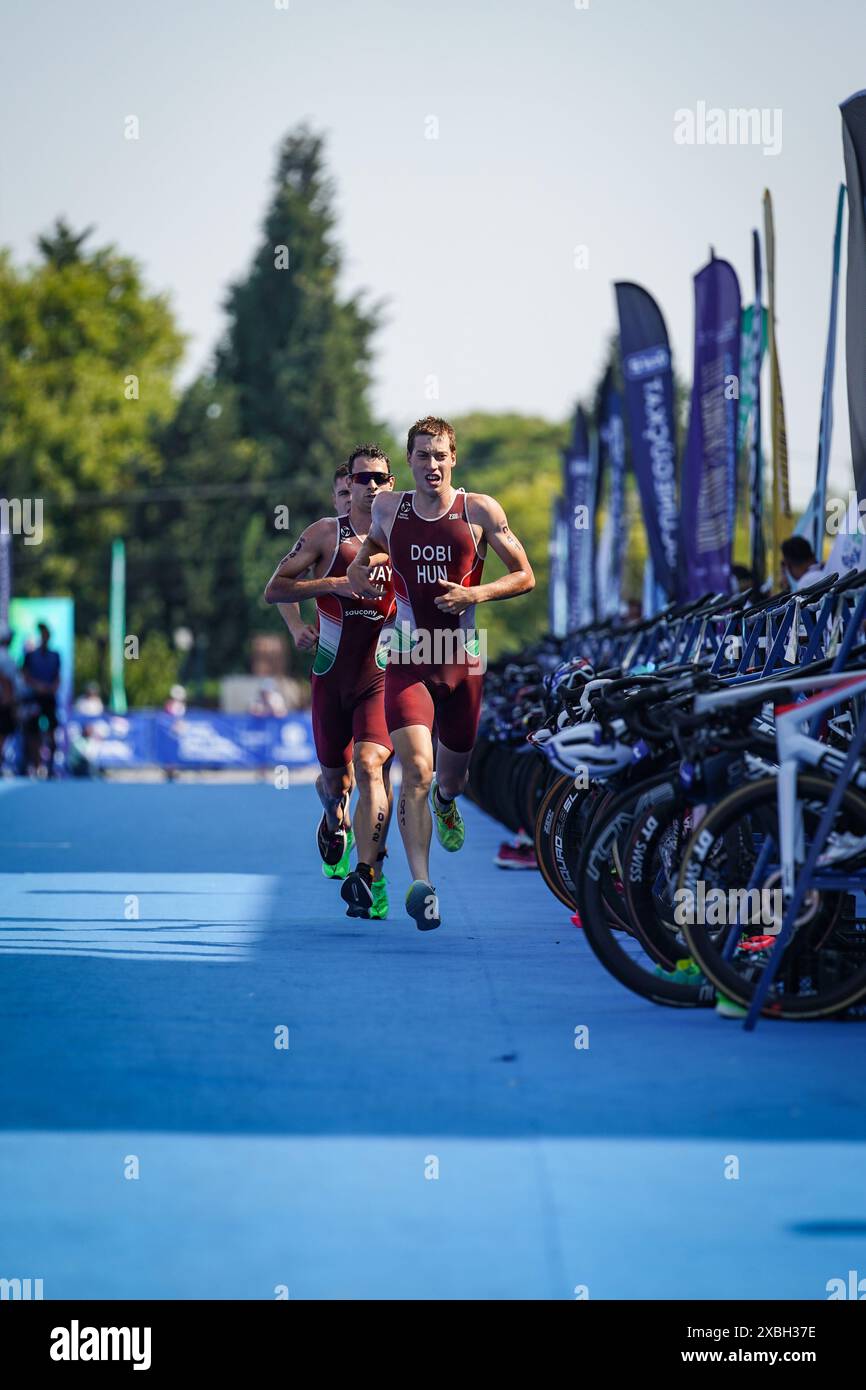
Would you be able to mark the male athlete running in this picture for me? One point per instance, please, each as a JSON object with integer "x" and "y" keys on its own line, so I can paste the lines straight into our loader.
{"x": 436, "y": 538}
{"x": 305, "y": 635}
{"x": 348, "y": 686}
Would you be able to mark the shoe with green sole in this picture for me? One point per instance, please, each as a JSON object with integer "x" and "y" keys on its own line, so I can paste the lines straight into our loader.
{"x": 687, "y": 972}
{"x": 343, "y": 866}
{"x": 379, "y": 910}
{"x": 422, "y": 905}
{"x": 450, "y": 829}
{"x": 729, "y": 1008}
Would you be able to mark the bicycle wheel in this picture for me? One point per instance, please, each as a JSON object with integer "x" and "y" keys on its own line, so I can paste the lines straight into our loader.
{"x": 651, "y": 861}
{"x": 823, "y": 968}
{"x": 547, "y": 852}
{"x": 575, "y": 834}
{"x": 622, "y": 954}
{"x": 537, "y": 781}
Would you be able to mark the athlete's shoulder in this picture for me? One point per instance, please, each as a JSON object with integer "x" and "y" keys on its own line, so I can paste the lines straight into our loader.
{"x": 482, "y": 507}
{"x": 387, "y": 502}
{"x": 322, "y": 530}
{"x": 385, "y": 507}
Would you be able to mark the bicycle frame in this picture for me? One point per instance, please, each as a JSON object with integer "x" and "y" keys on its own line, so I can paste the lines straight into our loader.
{"x": 796, "y": 749}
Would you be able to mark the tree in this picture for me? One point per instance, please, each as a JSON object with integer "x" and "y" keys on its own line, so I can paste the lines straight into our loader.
{"x": 517, "y": 459}
{"x": 286, "y": 401}
{"x": 298, "y": 356}
{"x": 87, "y": 361}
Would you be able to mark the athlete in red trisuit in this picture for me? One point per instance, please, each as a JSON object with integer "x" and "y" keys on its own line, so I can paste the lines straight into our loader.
{"x": 348, "y": 685}
{"x": 436, "y": 539}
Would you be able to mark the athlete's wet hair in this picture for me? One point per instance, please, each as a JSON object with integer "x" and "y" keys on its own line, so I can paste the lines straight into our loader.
{"x": 431, "y": 424}
{"x": 366, "y": 451}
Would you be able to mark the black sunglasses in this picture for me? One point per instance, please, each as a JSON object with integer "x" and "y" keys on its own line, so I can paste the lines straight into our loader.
{"x": 364, "y": 478}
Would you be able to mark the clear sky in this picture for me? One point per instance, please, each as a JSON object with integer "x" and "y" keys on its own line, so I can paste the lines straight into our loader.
{"x": 555, "y": 130}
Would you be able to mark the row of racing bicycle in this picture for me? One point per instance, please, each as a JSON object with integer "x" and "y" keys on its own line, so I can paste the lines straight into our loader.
{"x": 697, "y": 787}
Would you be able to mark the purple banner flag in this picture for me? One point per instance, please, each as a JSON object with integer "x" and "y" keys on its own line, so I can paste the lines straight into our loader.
{"x": 709, "y": 471}
{"x": 854, "y": 144}
{"x": 649, "y": 396}
{"x": 611, "y": 434}
{"x": 580, "y": 496}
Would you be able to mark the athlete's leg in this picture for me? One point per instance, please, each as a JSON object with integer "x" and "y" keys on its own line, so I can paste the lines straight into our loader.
{"x": 373, "y": 753}
{"x": 452, "y": 771}
{"x": 332, "y": 785}
{"x": 414, "y": 747}
{"x": 332, "y": 735}
{"x": 378, "y": 867}
{"x": 372, "y": 811}
{"x": 457, "y": 716}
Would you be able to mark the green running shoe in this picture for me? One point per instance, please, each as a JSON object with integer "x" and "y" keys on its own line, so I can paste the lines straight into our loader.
{"x": 422, "y": 904}
{"x": 729, "y": 1008}
{"x": 379, "y": 910}
{"x": 343, "y": 866}
{"x": 688, "y": 972}
{"x": 450, "y": 830}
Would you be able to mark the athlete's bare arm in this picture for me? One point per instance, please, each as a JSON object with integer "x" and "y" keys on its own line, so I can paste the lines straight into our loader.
{"x": 374, "y": 550}
{"x": 312, "y": 551}
{"x": 303, "y": 634}
{"x": 487, "y": 513}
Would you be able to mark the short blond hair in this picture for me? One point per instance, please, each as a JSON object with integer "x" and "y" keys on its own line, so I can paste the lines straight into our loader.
{"x": 432, "y": 425}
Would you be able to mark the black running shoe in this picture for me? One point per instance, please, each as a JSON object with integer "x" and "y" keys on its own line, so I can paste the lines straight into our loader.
{"x": 357, "y": 891}
{"x": 331, "y": 844}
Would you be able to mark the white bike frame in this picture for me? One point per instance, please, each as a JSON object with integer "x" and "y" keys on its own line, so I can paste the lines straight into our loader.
{"x": 796, "y": 749}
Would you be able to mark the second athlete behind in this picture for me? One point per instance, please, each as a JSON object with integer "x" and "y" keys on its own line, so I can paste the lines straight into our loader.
{"x": 348, "y": 679}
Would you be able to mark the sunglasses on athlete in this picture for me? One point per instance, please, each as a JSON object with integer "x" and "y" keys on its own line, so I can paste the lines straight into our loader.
{"x": 364, "y": 478}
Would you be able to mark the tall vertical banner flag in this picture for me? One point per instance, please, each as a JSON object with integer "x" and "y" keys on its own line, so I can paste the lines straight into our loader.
{"x": 812, "y": 523}
{"x": 649, "y": 399}
{"x": 709, "y": 472}
{"x": 612, "y": 545}
{"x": 116, "y": 625}
{"x": 781, "y": 497}
{"x": 854, "y": 142}
{"x": 580, "y": 491}
{"x": 757, "y": 545}
{"x": 748, "y": 341}
{"x": 5, "y": 572}
{"x": 557, "y": 594}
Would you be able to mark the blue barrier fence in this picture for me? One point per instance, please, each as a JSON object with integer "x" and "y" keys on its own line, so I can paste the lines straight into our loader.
{"x": 200, "y": 738}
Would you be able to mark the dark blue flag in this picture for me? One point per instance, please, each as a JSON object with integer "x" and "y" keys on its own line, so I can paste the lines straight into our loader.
{"x": 854, "y": 142}
{"x": 709, "y": 472}
{"x": 649, "y": 398}
{"x": 612, "y": 546}
{"x": 580, "y": 491}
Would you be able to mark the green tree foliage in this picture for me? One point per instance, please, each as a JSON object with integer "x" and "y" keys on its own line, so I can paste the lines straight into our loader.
{"x": 150, "y": 677}
{"x": 74, "y": 329}
{"x": 287, "y": 400}
{"x": 298, "y": 355}
{"x": 517, "y": 459}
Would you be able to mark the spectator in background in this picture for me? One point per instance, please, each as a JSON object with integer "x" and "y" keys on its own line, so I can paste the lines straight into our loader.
{"x": 743, "y": 578}
{"x": 633, "y": 610}
{"x": 799, "y": 565}
{"x": 8, "y": 689}
{"x": 269, "y": 701}
{"x": 89, "y": 705}
{"x": 175, "y": 705}
{"x": 41, "y": 674}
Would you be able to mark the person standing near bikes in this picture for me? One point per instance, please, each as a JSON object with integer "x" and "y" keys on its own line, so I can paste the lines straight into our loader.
{"x": 8, "y": 690}
{"x": 40, "y": 672}
{"x": 435, "y": 538}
